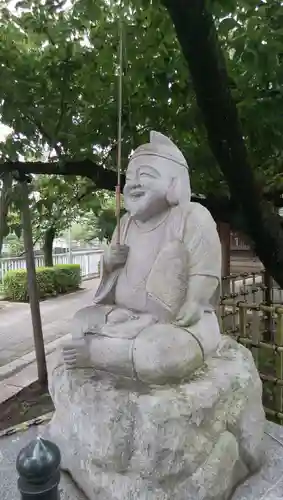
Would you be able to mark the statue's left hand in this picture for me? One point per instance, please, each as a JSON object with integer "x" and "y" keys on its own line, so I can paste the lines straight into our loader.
{"x": 76, "y": 354}
{"x": 188, "y": 315}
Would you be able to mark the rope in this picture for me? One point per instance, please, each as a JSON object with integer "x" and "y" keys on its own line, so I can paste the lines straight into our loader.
{"x": 26, "y": 425}
{"x": 274, "y": 438}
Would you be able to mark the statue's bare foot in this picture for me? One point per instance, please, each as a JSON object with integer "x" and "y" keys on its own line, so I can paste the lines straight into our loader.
{"x": 75, "y": 354}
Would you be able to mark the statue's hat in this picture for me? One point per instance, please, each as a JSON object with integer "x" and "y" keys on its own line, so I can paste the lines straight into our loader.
{"x": 161, "y": 146}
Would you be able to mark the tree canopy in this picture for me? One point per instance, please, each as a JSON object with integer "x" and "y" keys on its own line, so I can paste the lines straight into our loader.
{"x": 58, "y": 89}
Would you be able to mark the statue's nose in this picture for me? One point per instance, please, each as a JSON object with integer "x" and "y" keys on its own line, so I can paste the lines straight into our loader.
{"x": 133, "y": 184}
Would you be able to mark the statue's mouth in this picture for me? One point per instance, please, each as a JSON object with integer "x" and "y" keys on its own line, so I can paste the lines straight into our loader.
{"x": 137, "y": 194}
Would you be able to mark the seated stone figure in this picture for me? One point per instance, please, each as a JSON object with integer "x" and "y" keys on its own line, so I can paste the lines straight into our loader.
{"x": 153, "y": 317}
{"x": 131, "y": 422}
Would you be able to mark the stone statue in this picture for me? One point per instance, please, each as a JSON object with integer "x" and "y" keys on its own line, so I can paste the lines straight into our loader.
{"x": 151, "y": 402}
{"x": 154, "y": 314}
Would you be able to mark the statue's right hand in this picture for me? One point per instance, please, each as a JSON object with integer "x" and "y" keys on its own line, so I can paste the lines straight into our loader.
{"x": 116, "y": 256}
{"x": 75, "y": 354}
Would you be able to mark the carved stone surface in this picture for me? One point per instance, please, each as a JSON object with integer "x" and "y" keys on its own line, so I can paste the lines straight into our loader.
{"x": 153, "y": 317}
{"x": 124, "y": 440}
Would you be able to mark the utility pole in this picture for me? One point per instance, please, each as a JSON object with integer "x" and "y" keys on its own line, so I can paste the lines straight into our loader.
{"x": 32, "y": 285}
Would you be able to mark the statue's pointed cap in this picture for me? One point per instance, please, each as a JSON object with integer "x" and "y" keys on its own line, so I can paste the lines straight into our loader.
{"x": 158, "y": 138}
{"x": 162, "y": 146}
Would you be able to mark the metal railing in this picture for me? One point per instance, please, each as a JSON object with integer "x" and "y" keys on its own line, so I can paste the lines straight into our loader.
{"x": 87, "y": 259}
{"x": 251, "y": 311}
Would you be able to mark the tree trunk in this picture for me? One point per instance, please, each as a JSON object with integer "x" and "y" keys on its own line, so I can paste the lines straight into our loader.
{"x": 199, "y": 42}
{"x": 32, "y": 289}
{"x": 224, "y": 232}
{"x": 48, "y": 246}
{"x": 5, "y": 199}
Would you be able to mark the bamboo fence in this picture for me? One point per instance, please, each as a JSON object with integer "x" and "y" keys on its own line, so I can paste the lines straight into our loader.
{"x": 251, "y": 311}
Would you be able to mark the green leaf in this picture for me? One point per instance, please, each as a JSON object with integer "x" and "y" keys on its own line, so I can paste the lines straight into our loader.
{"x": 23, "y": 4}
{"x": 228, "y": 24}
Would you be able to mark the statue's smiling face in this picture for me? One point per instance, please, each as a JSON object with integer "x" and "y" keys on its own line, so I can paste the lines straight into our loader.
{"x": 146, "y": 188}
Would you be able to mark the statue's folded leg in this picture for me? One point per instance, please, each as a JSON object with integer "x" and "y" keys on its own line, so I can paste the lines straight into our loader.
{"x": 161, "y": 353}
{"x": 165, "y": 353}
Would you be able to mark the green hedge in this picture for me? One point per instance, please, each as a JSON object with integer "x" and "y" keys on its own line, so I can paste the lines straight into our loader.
{"x": 51, "y": 281}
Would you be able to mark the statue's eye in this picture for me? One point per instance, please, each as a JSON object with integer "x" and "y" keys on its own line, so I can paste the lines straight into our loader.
{"x": 144, "y": 175}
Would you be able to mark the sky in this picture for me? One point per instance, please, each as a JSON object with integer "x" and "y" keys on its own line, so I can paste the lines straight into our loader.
{"x": 4, "y": 132}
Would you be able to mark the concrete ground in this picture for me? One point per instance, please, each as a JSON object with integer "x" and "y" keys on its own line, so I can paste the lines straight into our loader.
{"x": 9, "y": 450}
{"x": 17, "y": 354}
{"x": 27, "y": 374}
{"x": 266, "y": 485}
{"x": 16, "y": 334}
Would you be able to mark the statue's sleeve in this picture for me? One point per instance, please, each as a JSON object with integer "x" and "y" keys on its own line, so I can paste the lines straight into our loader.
{"x": 202, "y": 243}
{"x": 106, "y": 289}
{"x": 124, "y": 222}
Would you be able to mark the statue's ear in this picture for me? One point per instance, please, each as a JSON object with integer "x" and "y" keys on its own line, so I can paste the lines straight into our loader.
{"x": 172, "y": 193}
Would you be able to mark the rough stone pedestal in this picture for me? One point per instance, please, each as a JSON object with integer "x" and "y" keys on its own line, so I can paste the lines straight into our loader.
{"x": 197, "y": 440}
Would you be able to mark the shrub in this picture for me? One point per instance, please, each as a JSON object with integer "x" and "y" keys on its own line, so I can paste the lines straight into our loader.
{"x": 67, "y": 277}
{"x": 15, "y": 285}
{"x": 51, "y": 281}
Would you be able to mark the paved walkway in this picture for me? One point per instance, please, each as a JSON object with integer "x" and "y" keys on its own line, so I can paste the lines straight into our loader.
{"x": 16, "y": 334}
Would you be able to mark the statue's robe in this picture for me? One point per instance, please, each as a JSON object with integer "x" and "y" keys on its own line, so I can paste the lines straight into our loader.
{"x": 160, "y": 266}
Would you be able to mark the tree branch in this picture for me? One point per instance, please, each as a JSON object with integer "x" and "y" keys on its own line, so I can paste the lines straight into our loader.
{"x": 34, "y": 243}
{"x": 63, "y": 103}
{"x": 197, "y": 36}
{"x": 51, "y": 141}
{"x": 102, "y": 177}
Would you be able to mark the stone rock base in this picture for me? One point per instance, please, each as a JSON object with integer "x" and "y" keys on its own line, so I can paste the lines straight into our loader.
{"x": 267, "y": 484}
{"x": 197, "y": 440}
